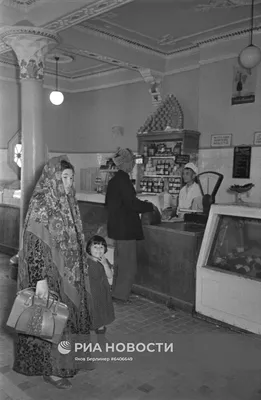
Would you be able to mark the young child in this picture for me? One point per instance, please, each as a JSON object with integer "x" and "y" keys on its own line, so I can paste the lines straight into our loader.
{"x": 100, "y": 276}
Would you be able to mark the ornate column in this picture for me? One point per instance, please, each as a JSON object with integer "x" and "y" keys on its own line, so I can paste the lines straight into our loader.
{"x": 30, "y": 45}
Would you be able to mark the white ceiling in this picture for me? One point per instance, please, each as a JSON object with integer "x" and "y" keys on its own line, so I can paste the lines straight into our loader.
{"x": 102, "y": 35}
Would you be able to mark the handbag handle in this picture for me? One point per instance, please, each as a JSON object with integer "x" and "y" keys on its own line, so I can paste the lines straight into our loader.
{"x": 51, "y": 294}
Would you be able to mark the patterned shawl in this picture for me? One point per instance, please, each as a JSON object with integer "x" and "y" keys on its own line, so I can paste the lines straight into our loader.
{"x": 54, "y": 217}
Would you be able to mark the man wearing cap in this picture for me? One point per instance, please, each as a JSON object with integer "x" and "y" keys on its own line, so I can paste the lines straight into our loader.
{"x": 190, "y": 196}
{"x": 124, "y": 223}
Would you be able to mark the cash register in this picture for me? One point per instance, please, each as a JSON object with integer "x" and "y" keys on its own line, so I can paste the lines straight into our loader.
{"x": 209, "y": 183}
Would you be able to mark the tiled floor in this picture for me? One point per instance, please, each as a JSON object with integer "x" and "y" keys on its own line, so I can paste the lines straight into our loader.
{"x": 208, "y": 362}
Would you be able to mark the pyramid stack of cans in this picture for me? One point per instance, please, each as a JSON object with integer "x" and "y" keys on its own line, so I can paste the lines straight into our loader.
{"x": 168, "y": 115}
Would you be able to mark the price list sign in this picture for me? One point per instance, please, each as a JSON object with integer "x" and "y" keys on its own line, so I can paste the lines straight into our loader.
{"x": 242, "y": 162}
{"x": 182, "y": 159}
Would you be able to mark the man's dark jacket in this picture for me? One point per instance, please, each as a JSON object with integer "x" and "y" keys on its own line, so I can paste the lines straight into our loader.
{"x": 123, "y": 208}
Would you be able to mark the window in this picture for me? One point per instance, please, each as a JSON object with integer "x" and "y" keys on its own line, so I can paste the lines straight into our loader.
{"x": 14, "y": 154}
{"x": 18, "y": 154}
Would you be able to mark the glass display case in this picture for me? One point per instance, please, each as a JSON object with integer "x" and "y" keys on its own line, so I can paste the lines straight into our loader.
{"x": 237, "y": 246}
{"x": 229, "y": 266}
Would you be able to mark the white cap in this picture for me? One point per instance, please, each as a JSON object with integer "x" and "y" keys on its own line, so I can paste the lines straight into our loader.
{"x": 192, "y": 166}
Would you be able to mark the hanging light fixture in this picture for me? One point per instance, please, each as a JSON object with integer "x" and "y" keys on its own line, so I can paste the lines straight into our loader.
{"x": 250, "y": 56}
{"x": 56, "y": 97}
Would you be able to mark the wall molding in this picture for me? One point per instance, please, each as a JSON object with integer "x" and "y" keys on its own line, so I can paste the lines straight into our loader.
{"x": 7, "y": 79}
{"x": 182, "y": 69}
{"x": 107, "y": 85}
{"x": 122, "y": 76}
{"x": 217, "y": 59}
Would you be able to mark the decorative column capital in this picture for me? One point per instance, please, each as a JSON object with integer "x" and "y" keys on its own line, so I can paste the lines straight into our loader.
{"x": 153, "y": 79}
{"x": 30, "y": 44}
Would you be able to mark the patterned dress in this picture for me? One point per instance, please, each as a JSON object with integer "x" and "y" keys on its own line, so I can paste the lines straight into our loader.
{"x": 53, "y": 248}
{"x": 102, "y": 306}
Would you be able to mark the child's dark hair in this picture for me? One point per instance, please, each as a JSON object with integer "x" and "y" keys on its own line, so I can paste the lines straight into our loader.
{"x": 96, "y": 239}
{"x": 66, "y": 165}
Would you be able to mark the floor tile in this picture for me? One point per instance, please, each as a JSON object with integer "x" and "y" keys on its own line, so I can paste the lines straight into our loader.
{"x": 208, "y": 362}
{"x": 146, "y": 388}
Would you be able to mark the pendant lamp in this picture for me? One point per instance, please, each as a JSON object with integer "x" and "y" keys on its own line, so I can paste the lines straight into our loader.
{"x": 250, "y": 56}
{"x": 56, "y": 97}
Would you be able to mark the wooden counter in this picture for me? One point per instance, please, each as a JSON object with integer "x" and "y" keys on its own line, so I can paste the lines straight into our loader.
{"x": 9, "y": 229}
{"x": 93, "y": 216}
{"x": 167, "y": 262}
{"x": 166, "y": 258}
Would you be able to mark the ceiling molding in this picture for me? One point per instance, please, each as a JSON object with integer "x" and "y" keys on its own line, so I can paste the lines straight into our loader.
{"x": 70, "y": 75}
{"x": 69, "y": 20}
{"x": 240, "y": 24}
{"x": 72, "y": 80}
{"x": 125, "y": 41}
{"x": 75, "y": 75}
{"x": 232, "y": 35}
{"x": 235, "y": 34}
{"x": 96, "y": 56}
{"x": 104, "y": 6}
{"x": 224, "y": 4}
{"x": 120, "y": 40}
{"x": 109, "y": 74}
{"x": 84, "y": 13}
{"x": 23, "y": 5}
{"x": 9, "y": 60}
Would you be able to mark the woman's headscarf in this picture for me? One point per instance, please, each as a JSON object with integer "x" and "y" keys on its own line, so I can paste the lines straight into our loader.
{"x": 54, "y": 217}
{"x": 124, "y": 160}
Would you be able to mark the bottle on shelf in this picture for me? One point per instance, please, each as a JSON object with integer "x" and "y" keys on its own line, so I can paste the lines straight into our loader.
{"x": 151, "y": 150}
{"x": 177, "y": 149}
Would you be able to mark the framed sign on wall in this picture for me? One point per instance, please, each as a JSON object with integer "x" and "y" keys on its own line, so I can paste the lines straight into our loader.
{"x": 242, "y": 162}
{"x": 221, "y": 140}
{"x": 257, "y": 139}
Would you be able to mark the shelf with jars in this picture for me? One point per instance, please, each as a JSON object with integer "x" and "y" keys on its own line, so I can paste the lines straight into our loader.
{"x": 164, "y": 155}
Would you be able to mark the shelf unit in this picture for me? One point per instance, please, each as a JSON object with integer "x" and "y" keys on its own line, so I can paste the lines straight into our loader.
{"x": 160, "y": 172}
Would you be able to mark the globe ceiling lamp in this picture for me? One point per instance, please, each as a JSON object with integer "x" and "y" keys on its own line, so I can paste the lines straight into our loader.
{"x": 250, "y": 56}
{"x": 56, "y": 97}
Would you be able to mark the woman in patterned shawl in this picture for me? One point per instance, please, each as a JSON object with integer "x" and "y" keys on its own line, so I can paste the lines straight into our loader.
{"x": 52, "y": 257}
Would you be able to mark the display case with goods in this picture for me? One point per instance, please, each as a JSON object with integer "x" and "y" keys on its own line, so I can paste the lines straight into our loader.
{"x": 165, "y": 147}
{"x": 164, "y": 155}
{"x": 228, "y": 279}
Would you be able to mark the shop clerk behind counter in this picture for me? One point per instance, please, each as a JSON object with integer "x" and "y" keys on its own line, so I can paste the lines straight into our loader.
{"x": 190, "y": 196}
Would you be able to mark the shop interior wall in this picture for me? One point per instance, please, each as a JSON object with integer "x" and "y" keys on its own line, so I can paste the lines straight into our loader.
{"x": 9, "y": 122}
{"x": 56, "y": 121}
{"x": 81, "y": 127}
{"x": 218, "y": 116}
{"x": 205, "y": 96}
